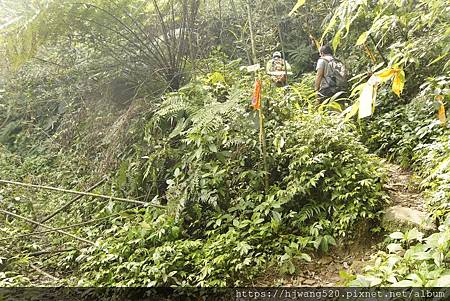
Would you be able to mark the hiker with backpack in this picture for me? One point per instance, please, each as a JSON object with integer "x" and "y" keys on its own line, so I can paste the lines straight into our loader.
{"x": 330, "y": 76}
{"x": 278, "y": 69}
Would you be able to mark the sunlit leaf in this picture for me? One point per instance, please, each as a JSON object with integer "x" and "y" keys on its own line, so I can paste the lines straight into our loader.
{"x": 396, "y": 235}
{"x": 297, "y": 6}
{"x": 398, "y": 83}
{"x": 337, "y": 40}
{"x": 393, "y": 248}
{"x": 443, "y": 281}
{"x": 362, "y": 38}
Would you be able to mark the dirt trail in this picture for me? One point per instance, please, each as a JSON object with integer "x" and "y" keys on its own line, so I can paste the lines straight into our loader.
{"x": 324, "y": 270}
{"x": 402, "y": 188}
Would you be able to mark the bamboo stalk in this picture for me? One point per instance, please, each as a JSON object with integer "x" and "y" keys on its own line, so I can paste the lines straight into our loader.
{"x": 252, "y": 40}
{"x": 43, "y": 272}
{"x": 48, "y": 227}
{"x": 81, "y": 193}
{"x": 51, "y": 252}
{"x": 56, "y": 229}
{"x": 72, "y": 201}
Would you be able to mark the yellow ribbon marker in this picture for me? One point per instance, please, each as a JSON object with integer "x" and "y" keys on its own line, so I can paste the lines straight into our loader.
{"x": 399, "y": 81}
{"x": 369, "y": 91}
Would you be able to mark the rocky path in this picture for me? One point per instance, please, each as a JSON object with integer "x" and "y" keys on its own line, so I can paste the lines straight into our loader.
{"x": 406, "y": 210}
{"x": 402, "y": 188}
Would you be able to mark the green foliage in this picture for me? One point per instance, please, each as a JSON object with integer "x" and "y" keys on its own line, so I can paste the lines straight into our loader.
{"x": 89, "y": 104}
{"x": 413, "y": 135}
{"x": 220, "y": 228}
{"x": 398, "y": 132}
{"x": 406, "y": 33}
{"x": 198, "y": 152}
{"x": 11, "y": 279}
{"x": 148, "y": 44}
{"x": 422, "y": 264}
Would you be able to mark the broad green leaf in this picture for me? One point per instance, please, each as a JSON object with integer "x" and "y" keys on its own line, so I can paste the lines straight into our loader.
{"x": 285, "y": 257}
{"x": 394, "y": 248}
{"x": 212, "y": 148}
{"x": 413, "y": 234}
{"x": 276, "y": 216}
{"x": 329, "y": 27}
{"x": 351, "y": 111}
{"x": 403, "y": 283}
{"x": 330, "y": 240}
{"x": 443, "y": 281}
{"x": 392, "y": 261}
{"x": 305, "y": 257}
{"x": 362, "y": 38}
{"x": 422, "y": 256}
{"x": 396, "y": 235}
{"x": 360, "y": 281}
{"x": 374, "y": 281}
{"x": 438, "y": 258}
{"x": 416, "y": 279}
{"x": 258, "y": 221}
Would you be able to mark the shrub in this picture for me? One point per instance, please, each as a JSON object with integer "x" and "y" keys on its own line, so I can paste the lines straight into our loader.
{"x": 221, "y": 228}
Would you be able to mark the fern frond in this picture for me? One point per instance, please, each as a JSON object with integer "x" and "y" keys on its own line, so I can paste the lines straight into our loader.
{"x": 311, "y": 210}
{"x": 214, "y": 115}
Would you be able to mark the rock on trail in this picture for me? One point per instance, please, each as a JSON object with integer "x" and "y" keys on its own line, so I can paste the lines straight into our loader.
{"x": 407, "y": 208}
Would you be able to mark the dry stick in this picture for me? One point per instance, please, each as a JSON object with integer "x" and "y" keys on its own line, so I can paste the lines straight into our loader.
{"x": 72, "y": 201}
{"x": 51, "y": 252}
{"x": 56, "y": 229}
{"x": 378, "y": 49}
{"x": 43, "y": 272}
{"x": 48, "y": 227}
{"x": 81, "y": 193}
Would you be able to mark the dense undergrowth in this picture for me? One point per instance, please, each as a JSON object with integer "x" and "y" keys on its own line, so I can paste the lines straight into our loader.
{"x": 133, "y": 93}
{"x": 220, "y": 228}
{"x": 413, "y": 135}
